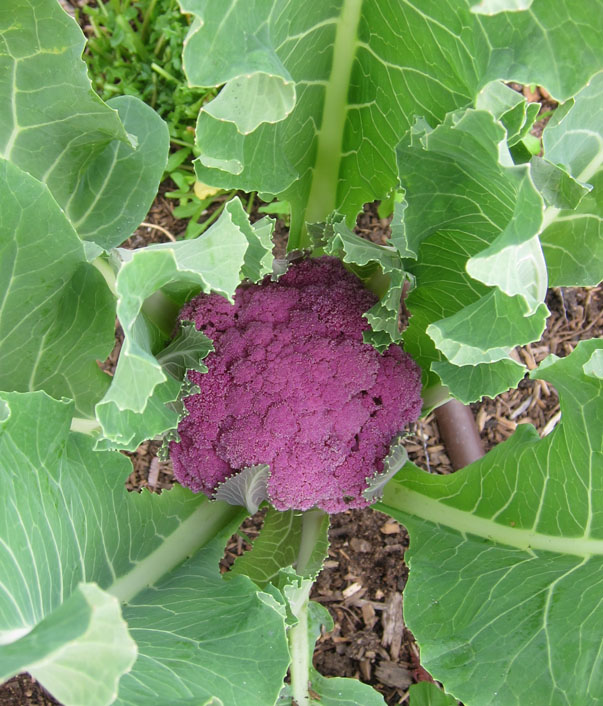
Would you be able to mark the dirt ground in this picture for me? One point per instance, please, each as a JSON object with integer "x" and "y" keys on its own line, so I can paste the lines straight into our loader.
{"x": 364, "y": 576}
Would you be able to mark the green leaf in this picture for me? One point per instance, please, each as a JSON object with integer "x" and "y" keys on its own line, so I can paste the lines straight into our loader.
{"x": 594, "y": 366}
{"x": 186, "y": 351}
{"x": 198, "y": 634}
{"x": 510, "y": 108}
{"x": 341, "y": 691}
{"x": 366, "y": 258}
{"x": 470, "y": 212}
{"x": 258, "y": 257}
{"x": 125, "y": 429}
{"x": 473, "y": 382}
{"x": 573, "y": 240}
{"x": 360, "y": 73}
{"x": 69, "y": 519}
{"x": 253, "y": 99}
{"x": 472, "y": 336}
{"x": 501, "y": 549}
{"x": 152, "y": 283}
{"x": 86, "y": 629}
{"x": 556, "y": 185}
{"x": 57, "y": 315}
{"x": 278, "y": 546}
{"x": 104, "y": 174}
{"x": 121, "y": 183}
{"x": 398, "y": 236}
{"x": 247, "y": 488}
{"x": 514, "y": 261}
{"x": 427, "y": 694}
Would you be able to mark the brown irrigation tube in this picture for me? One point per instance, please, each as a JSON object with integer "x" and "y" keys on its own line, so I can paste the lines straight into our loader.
{"x": 459, "y": 433}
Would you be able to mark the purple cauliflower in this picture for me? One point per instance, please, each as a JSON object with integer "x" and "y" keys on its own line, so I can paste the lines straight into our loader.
{"x": 292, "y": 385}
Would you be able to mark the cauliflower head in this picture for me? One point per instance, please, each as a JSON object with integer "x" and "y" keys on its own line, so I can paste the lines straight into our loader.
{"x": 292, "y": 385}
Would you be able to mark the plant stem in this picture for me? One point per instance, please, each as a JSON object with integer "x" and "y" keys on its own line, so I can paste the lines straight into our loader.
{"x": 311, "y": 528}
{"x": 85, "y": 426}
{"x": 107, "y": 272}
{"x": 199, "y": 528}
{"x": 299, "y": 643}
{"x": 322, "y": 199}
{"x": 205, "y": 225}
{"x": 250, "y": 202}
{"x": 183, "y": 143}
{"x": 162, "y": 72}
{"x": 299, "y": 649}
{"x": 146, "y": 20}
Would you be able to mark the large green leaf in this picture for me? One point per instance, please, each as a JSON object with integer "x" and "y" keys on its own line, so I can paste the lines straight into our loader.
{"x": 69, "y": 519}
{"x": 103, "y": 173}
{"x": 198, "y": 635}
{"x": 57, "y": 315}
{"x": 118, "y": 187}
{"x": 573, "y": 240}
{"x": 469, "y": 383}
{"x": 359, "y": 73}
{"x": 152, "y": 283}
{"x": 86, "y": 629}
{"x": 506, "y": 556}
{"x": 473, "y": 217}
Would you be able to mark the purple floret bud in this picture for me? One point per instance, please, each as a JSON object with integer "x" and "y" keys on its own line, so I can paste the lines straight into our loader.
{"x": 291, "y": 384}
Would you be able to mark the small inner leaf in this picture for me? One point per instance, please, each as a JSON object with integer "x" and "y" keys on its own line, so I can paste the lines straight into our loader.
{"x": 392, "y": 463}
{"x": 185, "y": 352}
{"x": 247, "y": 488}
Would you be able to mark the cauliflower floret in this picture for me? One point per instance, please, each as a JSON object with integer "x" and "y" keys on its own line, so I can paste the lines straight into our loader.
{"x": 292, "y": 385}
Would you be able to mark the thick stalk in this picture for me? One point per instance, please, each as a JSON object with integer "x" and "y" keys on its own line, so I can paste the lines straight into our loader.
{"x": 300, "y": 650}
{"x": 299, "y": 641}
{"x": 193, "y": 533}
{"x": 107, "y": 272}
{"x": 85, "y": 426}
{"x": 322, "y": 199}
{"x": 311, "y": 529}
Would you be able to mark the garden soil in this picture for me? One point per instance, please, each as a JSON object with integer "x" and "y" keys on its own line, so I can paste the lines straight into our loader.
{"x": 363, "y": 579}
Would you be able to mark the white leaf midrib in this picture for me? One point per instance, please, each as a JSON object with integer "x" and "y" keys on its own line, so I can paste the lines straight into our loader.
{"x": 439, "y": 513}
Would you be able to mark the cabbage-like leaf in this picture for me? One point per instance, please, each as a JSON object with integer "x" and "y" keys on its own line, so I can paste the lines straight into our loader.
{"x": 480, "y": 274}
{"x": 572, "y": 240}
{"x": 57, "y": 315}
{"x": 86, "y": 629}
{"x": 102, "y": 164}
{"x": 469, "y": 383}
{"x": 506, "y": 556}
{"x": 69, "y": 519}
{"x": 381, "y": 269}
{"x": 247, "y": 488}
{"x": 510, "y": 107}
{"x": 152, "y": 283}
{"x": 359, "y": 73}
{"x": 185, "y": 351}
